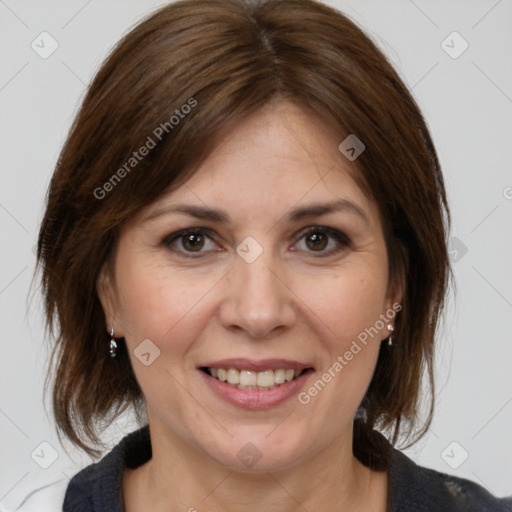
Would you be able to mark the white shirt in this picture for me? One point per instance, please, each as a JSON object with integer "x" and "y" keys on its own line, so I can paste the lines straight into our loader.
{"x": 46, "y": 498}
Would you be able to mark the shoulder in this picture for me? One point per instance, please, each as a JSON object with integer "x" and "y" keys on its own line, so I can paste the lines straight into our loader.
{"x": 47, "y": 498}
{"x": 100, "y": 484}
{"x": 470, "y": 496}
{"x": 413, "y": 487}
{"x": 464, "y": 495}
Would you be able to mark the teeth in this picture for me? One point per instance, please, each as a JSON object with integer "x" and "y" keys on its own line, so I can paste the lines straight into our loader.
{"x": 248, "y": 379}
{"x": 279, "y": 376}
{"x": 266, "y": 378}
{"x": 233, "y": 376}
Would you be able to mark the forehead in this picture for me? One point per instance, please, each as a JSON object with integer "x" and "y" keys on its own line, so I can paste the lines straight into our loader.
{"x": 280, "y": 135}
{"x": 282, "y": 145}
{"x": 277, "y": 158}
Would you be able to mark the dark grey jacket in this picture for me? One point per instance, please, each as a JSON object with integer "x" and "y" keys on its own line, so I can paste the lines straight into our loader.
{"x": 412, "y": 488}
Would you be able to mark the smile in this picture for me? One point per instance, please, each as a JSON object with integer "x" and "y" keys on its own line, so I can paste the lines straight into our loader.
{"x": 250, "y": 384}
{"x": 252, "y": 380}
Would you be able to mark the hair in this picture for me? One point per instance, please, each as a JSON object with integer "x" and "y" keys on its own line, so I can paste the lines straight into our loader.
{"x": 226, "y": 59}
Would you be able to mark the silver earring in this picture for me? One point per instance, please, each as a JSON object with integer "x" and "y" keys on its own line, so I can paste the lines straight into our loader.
{"x": 390, "y": 339}
{"x": 113, "y": 344}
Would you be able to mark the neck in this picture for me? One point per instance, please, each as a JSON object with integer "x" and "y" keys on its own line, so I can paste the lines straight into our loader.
{"x": 331, "y": 480}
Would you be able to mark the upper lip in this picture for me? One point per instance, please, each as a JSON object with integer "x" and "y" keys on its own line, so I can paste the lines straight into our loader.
{"x": 257, "y": 365}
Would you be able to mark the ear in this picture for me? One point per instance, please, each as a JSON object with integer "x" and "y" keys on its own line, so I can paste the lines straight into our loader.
{"x": 107, "y": 294}
{"x": 395, "y": 292}
{"x": 394, "y": 296}
{"x": 397, "y": 283}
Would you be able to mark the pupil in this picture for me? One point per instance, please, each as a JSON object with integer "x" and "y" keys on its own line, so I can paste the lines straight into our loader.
{"x": 317, "y": 241}
{"x": 193, "y": 241}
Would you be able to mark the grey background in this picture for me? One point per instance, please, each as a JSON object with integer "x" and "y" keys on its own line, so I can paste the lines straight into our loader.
{"x": 467, "y": 102}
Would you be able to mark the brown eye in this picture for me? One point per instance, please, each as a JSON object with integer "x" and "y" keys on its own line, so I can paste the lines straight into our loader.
{"x": 193, "y": 242}
{"x": 317, "y": 241}
{"x": 323, "y": 241}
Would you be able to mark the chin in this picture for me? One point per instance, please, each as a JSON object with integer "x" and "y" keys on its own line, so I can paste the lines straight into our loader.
{"x": 256, "y": 450}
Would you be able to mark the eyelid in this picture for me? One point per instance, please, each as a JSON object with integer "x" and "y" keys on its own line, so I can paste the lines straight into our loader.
{"x": 182, "y": 232}
{"x": 333, "y": 232}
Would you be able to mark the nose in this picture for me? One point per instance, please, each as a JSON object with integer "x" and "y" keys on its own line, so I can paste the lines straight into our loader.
{"x": 257, "y": 299}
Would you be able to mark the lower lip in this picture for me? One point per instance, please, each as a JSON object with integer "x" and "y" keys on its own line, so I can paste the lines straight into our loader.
{"x": 253, "y": 398}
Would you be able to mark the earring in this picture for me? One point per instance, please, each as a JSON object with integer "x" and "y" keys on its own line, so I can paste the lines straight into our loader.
{"x": 390, "y": 339}
{"x": 113, "y": 344}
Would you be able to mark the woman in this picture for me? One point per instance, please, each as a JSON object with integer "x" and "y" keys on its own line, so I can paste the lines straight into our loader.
{"x": 244, "y": 240}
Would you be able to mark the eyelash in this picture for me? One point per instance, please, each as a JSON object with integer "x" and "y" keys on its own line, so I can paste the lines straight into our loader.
{"x": 338, "y": 236}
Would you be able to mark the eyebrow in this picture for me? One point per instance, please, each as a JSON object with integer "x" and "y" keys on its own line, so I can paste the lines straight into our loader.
{"x": 305, "y": 212}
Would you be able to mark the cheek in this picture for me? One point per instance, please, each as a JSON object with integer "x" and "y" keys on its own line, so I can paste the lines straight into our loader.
{"x": 346, "y": 302}
{"x": 345, "y": 311}
{"x": 158, "y": 304}
{"x": 170, "y": 309}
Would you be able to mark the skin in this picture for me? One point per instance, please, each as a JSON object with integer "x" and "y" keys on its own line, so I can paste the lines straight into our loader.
{"x": 295, "y": 301}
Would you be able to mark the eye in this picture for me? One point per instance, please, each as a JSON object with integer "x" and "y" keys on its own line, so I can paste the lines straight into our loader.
{"x": 196, "y": 242}
{"x": 323, "y": 240}
{"x": 193, "y": 240}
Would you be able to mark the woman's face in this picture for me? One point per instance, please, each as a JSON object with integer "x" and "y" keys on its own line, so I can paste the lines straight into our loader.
{"x": 282, "y": 272}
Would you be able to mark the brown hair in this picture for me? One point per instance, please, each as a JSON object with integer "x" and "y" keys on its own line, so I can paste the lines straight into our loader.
{"x": 227, "y": 58}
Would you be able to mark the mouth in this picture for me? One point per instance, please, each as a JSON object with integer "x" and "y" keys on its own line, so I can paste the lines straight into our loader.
{"x": 255, "y": 384}
{"x": 253, "y": 380}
